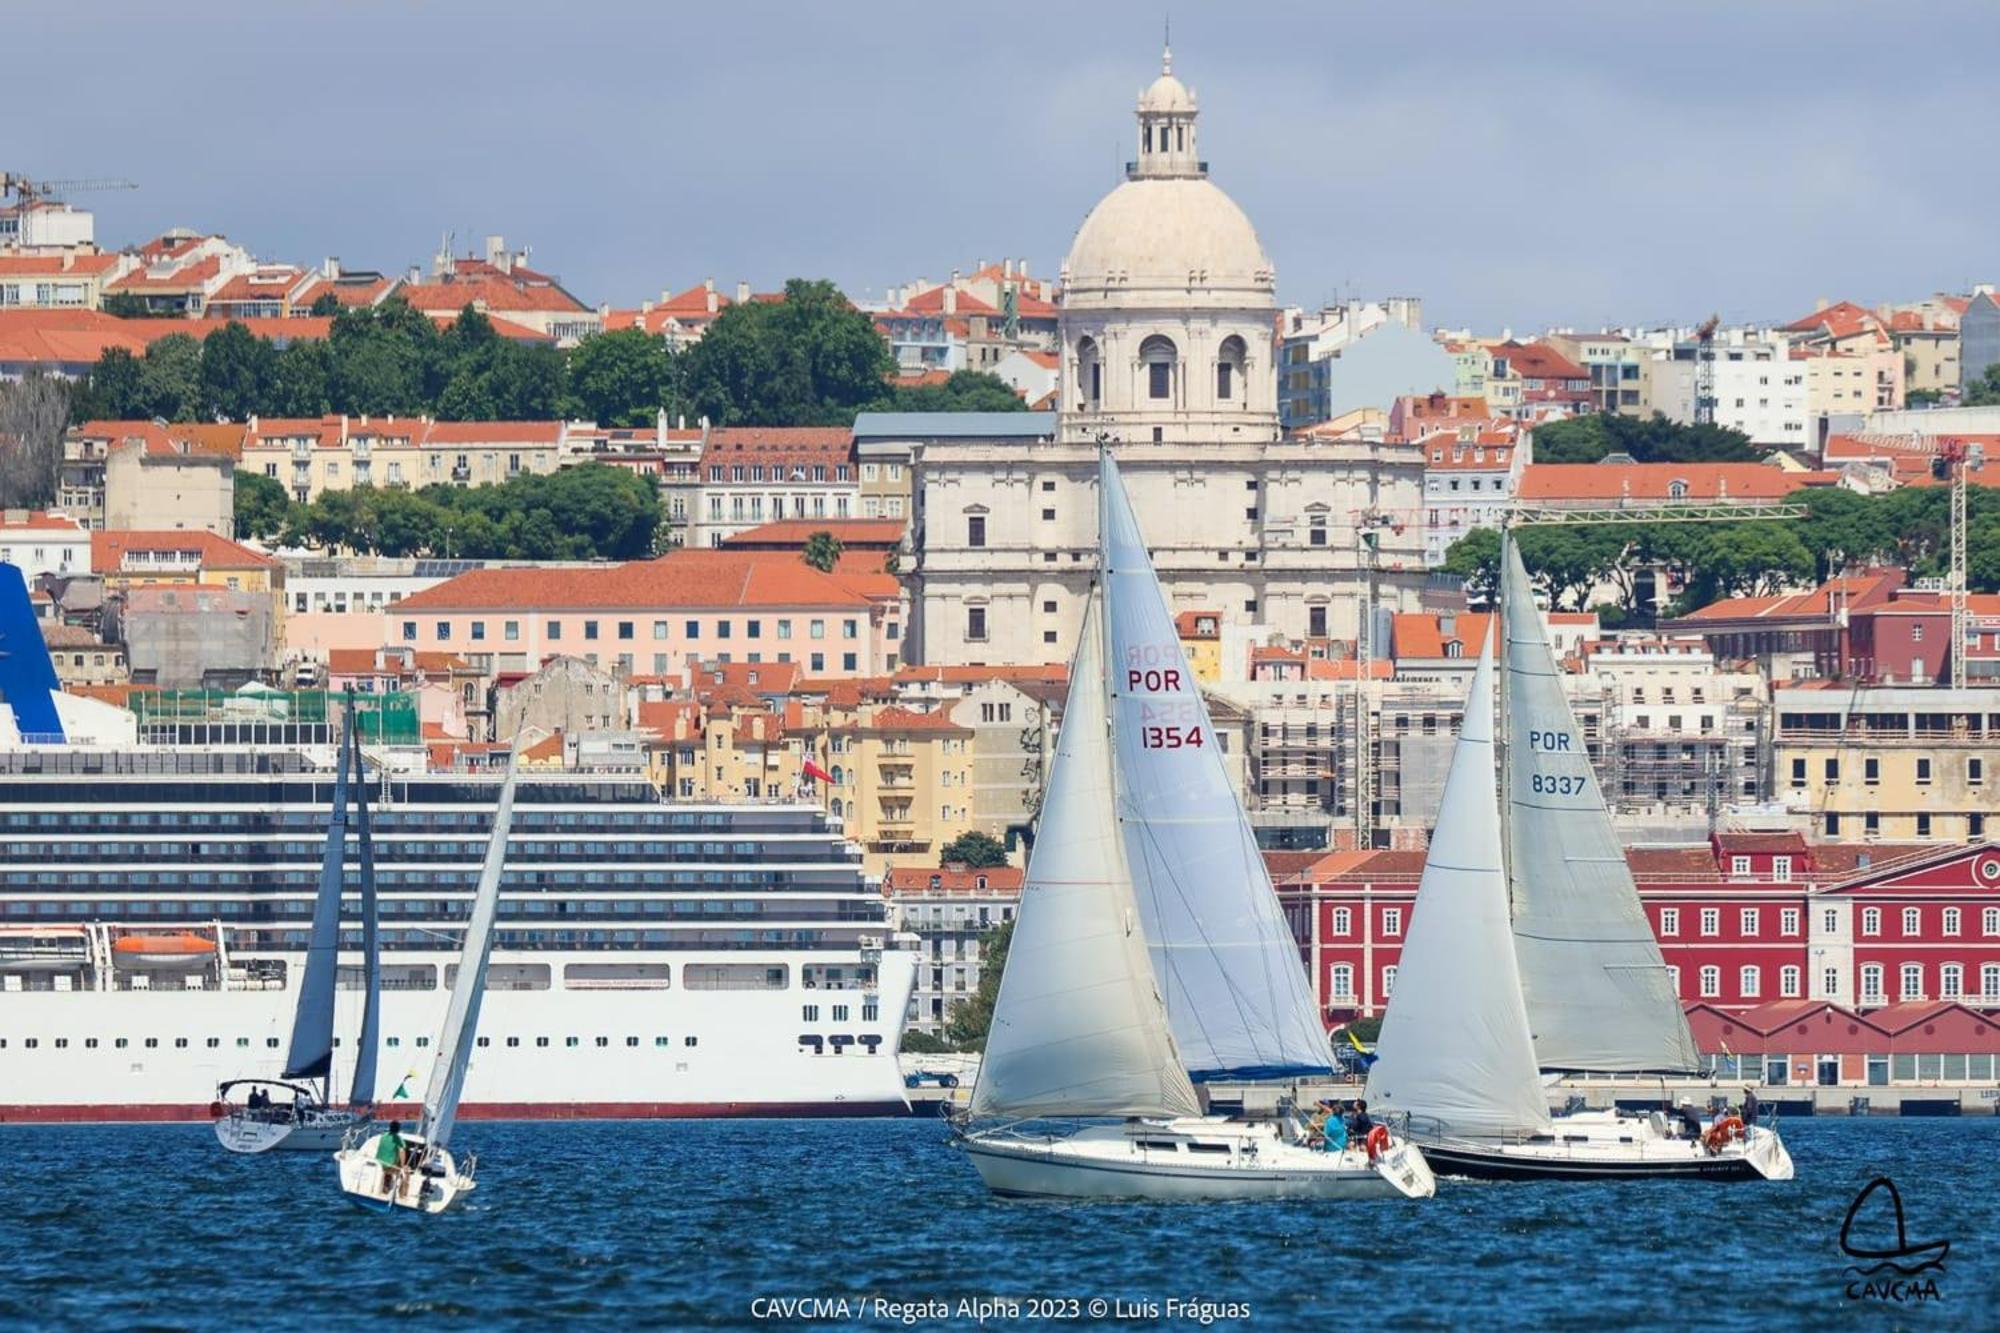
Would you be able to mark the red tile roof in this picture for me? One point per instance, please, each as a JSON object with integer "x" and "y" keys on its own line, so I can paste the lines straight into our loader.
{"x": 40, "y": 520}
{"x": 109, "y": 549}
{"x": 497, "y": 293}
{"x": 783, "y": 446}
{"x": 1539, "y": 361}
{"x": 1049, "y": 672}
{"x": 57, "y": 266}
{"x": 1421, "y": 634}
{"x": 1843, "y": 320}
{"x": 792, "y": 533}
{"x": 953, "y": 878}
{"x": 684, "y": 579}
{"x": 1653, "y": 481}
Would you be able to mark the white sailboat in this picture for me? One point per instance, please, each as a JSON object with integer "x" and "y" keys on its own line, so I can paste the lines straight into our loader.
{"x": 1529, "y": 952}
{"x": 290, "y": 1113}
{"x": 419, "y": 1172}
{"x": 1149, "y": 950}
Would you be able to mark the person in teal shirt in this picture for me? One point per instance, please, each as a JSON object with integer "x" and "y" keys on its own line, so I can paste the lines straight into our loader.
{"x": 393, "y": 1154}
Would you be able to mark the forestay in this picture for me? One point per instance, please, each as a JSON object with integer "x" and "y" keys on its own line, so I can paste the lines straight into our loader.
{"x": 461, "y": 1020}
{"x": 1078, "y": 1027}
{"x": 311, "y": 1051}
{"x": 1454, "y": 1046}
{"x": 1225, "y": 959}
{"x": 1598, "y": 992}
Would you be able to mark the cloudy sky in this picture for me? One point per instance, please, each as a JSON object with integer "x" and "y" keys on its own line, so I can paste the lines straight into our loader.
{"x": 1514, "y": 165}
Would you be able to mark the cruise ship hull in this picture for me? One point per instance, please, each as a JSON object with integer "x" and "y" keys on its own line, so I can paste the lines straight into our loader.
{"x": 550, "y": 1054}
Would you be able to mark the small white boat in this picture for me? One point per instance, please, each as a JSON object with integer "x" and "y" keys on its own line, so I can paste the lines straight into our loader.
{"x": 1528, "y": 952}
{"x": 301, "y": 1117}
{"x": 1149, "y": 950}
{"x": 390, "y": 1170}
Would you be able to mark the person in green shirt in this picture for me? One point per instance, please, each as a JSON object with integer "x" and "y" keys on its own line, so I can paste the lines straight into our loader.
{"x": 393, "y": 1153}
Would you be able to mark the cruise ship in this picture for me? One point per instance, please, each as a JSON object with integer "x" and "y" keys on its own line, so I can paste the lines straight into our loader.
{"x": 654, "y": 959}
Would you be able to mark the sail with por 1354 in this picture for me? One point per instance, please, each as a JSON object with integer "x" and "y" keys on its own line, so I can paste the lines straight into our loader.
{"x": 1078, "y": 1027}
{"x": 1225, "y": 958}
{"x": 1600, "y": 998}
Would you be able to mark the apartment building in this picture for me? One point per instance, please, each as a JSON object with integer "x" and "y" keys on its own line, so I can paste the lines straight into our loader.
{"x": 310, "y": 455}
{"x": 1902, "y": 763}
{"x": 752, "y": 475}
{"x": 952, "y": 910}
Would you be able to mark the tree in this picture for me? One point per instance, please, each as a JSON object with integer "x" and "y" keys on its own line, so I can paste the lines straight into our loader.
{"x": 965, "y": 391}
{"x": 238, "y": 370}
{"x": 822, "y": 552}
{"x": 300, "y": 380}
{"x": 620, "y": 379}
{"x": 33, "y": 412}
{"x": 1842, "y": 528}
{"x": 114, "y": 387}
{"x": 1984, "y": 391}
{"x": 169, "y": 385}
{"x": 1475, "y": 558}
{"x": 810, "y": 359}
{"x": 325, "y": 305}
{"x": 1589, "y": 438}
{"x": 979, "y": 851}
{"x": 1568, "y": 561}
{"x": 262, "y": 507}
{"x": 972, "y": 1018}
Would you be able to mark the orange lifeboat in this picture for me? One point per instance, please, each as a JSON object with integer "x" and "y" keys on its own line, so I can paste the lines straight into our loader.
{"x": 177, "y": 950}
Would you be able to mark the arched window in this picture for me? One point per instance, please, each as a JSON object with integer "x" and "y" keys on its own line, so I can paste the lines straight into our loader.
{"x": 1913, "y": 982}
{"x": 1711, "y": 982}
{"x": 1229, "y": 368}
{"x": 1871, "y": 983}
{"x": 1159, "y": 355}
{"x": 1089, "y": 372}
{"x": 1388, "y": 981}
{"x": 838, "y": 810}
{"x": 1677, "y": 489}
{"x": 1951, "y": 982}
{"x": 1343, "y": 921}
{"x": 839, "y": 776}
{"x": 1751, "y": 982}
{"x": 1343, "y": 983}
{"x": 1989, "y": 983}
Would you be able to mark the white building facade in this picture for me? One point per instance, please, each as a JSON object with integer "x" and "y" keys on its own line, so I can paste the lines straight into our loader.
{"x": 1168, "y": 329}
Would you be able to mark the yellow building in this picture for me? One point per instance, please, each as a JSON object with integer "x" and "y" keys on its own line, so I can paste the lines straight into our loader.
{"x": 1900, "y": 764}
{"x": 308, "y": 455}
{"x": 1201, "y": 639}
{"x": 903, "y": 781}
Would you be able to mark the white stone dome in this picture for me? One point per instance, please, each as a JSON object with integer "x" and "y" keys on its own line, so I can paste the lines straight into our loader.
{"x": 1167, "y": 94}
{"x": 1180, "y": 234}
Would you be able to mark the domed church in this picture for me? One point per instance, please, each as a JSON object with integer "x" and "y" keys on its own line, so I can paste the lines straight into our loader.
{"x": 1168, "y": 327}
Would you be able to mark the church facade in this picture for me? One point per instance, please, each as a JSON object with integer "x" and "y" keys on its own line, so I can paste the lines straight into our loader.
{"x": 1168, "y": 335}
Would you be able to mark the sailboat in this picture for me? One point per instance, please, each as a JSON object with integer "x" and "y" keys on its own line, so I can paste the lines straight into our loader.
{"x": 1528, "y": 953}
{"x": 1149, "y": 953}
{"x": 423, "y": 1176}
{"x": 291, "y": 1113}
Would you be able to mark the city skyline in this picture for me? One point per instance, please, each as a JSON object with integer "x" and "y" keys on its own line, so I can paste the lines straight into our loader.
{"x": 1461, "y": 166}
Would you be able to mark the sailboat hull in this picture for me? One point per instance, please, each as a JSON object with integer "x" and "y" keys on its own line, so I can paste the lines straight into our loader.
{"x": 1603, "y": 1147}
{"x": 1189, "y": 1160}
{"x": 436, "y": 1186}
{"x": 318, "y": 1129}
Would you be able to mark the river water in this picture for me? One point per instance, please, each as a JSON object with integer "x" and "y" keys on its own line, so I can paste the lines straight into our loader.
{"x": 713, "y": 1224}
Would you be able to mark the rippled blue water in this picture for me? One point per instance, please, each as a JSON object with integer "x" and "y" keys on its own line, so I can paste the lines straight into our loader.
{"x": 685, "y": 1224}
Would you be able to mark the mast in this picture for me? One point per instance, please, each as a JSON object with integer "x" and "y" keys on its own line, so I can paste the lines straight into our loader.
{"x": 362, "y": 1092}
{"x": 1496, "y": 631}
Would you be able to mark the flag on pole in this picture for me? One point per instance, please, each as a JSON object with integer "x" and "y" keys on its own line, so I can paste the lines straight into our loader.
{"x": 815, "y": 773}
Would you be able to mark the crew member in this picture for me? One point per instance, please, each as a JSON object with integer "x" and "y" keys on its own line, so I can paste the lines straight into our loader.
{"x": 1359, "y": 1124}
{"x": 393, "y": 1154}
{"x": 1750, "y": 1107}
{"x": 1690, "y": 1119}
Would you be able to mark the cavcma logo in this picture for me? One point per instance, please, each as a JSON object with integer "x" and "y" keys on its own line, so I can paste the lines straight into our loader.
{"x": 1905, "y": 1271}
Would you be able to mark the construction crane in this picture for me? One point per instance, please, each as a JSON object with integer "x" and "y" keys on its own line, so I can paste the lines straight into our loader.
{"x": 1704, "y": 371}
{"x": 1952, "y": 460}
{"x": 28, "y": 193}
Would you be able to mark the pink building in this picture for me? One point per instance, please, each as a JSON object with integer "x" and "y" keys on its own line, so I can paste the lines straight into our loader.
{"x": 654, "y": 617}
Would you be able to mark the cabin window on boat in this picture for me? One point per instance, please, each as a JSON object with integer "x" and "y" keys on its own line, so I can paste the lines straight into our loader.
{"x": 690, "y": 1041}
{"x": 735, "y": 976}
{"x": 90, "y": 1043}
{"x": 483, "y": 1041}
{"x": 513, "y": 1042}
{"x": 809, "y": 1013}
{"x": 393, "y": 1041}
{"x": 1160, "y": 1145}
{"x": 241, "y": 1042}
{"x": 541, "y": 1041}
{"x": 153, "y": 1043}
{"x": 631, "y": 1041}
{"x": 569, "y": 1041}
{"x": 32, "y": 1042}
{"x": 1208, "y": 1147}
{"x": 663, "y": 1041}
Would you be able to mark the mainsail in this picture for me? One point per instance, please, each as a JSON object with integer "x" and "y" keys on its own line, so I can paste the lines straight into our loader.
{"x": 1455, "y": 1046}
{"x": 1223, "y": 955}
{"x": 461, "y": 1020}
{"x": 1078, "y": 1027}
{"x": 1599, "y": 996}
{"x": 363, "y": 1091}
{"x": 311, "y": 1051}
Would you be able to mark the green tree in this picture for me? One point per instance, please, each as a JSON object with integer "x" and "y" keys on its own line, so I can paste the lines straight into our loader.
{"x": 620, "y": 379}
{"x": 1654, "y": 439}
{"x": 300, "y": 380}
{"x": 170, "y": 380}
{"x": 972, "y": 1018}
{"x": 1842, "y": 528}
{"x": 1568, "y": 561}
{"x": 238, "y": 370}
{"x": 385, "y": 359}
{"x": 262, "y": 507}
{"x": 115, "y": 387}
{"x": 822, "y": 552}
{"x": 325, "y": 305}
{"x": 980, "y": 851}
{"x": 810, "y": 359}
{"x": 1984, "y": 391}
{"x": 1475, "y": 558}
{"x": 965, "y": 391}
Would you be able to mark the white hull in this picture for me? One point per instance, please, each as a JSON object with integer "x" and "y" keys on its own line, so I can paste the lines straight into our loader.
{"x": 1602, "y": 1145}
{"x": 321, "y": 1130}
{"x": 550, "y": 1053}
{"x": 1189, "y": 1159}
{"x": 436, "y": 1186}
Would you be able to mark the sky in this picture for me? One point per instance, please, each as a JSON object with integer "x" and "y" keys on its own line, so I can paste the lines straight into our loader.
{"x": 1517, "y": 166}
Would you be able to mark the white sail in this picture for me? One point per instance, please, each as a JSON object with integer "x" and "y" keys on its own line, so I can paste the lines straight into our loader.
{"x": 1078, "y": 1027}
{"x": 461, "y": 1020}
{"x": 1225, "y": 959}
{"x": 1454, "y": 1046}
{"x": 1599, "y": 995}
